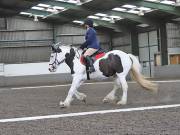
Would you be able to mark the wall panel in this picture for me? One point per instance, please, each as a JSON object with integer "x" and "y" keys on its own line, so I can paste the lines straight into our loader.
{"x": 25, "y": 41}
{"x": 173, "y": 35}
{"x": 68, "y": 34}
{"x": 122, "y": 42}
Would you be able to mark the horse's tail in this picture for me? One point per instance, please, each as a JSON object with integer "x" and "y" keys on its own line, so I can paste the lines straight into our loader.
{"x": 137, "y": 76}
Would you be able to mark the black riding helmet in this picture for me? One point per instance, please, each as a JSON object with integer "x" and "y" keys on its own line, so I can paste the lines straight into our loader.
{"x": 88, "y": 22}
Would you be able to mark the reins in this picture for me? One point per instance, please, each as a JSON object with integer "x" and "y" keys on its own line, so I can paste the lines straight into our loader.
{"x": 78, "y": 57}
{"x": 56, "y": 61}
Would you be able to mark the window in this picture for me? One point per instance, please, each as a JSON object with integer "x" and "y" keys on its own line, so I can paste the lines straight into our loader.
{"x": 175, "y": 59}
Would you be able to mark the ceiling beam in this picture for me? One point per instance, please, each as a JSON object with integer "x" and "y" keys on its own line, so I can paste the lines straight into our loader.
{"x": 47, "y": 15}
{"x": 160, "y": 6}
{"x": 136, "y": 18}
{"x": 68, "y": 19}
{"x": 65, "y": 4}
{"x": 83, "y": 9}
{"x": 89, "y": 12}
{"x": 38, "y": 12}
{"x": 108, "y": 25}
{"x": 79, "y": 8}
{"x": 130, "y": 16}
{"x": 7, "y": 12}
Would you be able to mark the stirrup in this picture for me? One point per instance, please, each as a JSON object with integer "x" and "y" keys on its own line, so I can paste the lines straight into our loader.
{"x": 91, "y": 69}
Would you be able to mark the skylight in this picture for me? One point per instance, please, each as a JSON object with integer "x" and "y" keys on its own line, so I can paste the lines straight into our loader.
{"x": 119, "y": 9}
{"x": 144, "y": 8}
{"x": 77, "y": 21}
{"x": 43, "y": 5}
{"x": 25, "y": 13}
{"x": 82, "y": 22}
{"x": 153, "y": 0}
{"x": 129, "y": 6}
{"x": 70, "y": 1}
{"x": 38, "y": 8}
{"x": 59, "y": 8}
{"x": 53, "y": 9}
{"x": 116, "y": 17}
{"x": 143, "y": 25}
{"x": 77, "y": 2}
{"x": 93, "y": 17}
{"x": 168, "y": 2}
{"x": 101, "y": 14}
{"x": 48, "y": 8}
{"x": 31, "y": 14}
{"x": 133, "y": 9}
{"x": 106, "y": 19}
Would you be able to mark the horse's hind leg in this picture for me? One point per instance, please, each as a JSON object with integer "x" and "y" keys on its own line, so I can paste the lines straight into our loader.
{"x": 123, "y": 83}
{"x": 112, "y": 95}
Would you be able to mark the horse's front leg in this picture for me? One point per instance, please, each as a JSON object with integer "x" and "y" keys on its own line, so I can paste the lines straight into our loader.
{"x": 79, "y": 95}
{"x": 77, "y": 80}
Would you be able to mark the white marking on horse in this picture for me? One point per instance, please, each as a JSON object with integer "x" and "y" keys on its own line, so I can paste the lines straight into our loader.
{"x": 123, "y": 64}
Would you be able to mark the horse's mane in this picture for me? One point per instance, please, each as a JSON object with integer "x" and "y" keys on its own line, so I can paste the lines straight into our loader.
{"x": 70, "y": 46}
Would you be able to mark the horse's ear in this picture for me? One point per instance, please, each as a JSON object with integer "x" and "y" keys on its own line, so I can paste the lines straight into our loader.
{"x": 53, "y": 49}
{"x": 55, "y": 46}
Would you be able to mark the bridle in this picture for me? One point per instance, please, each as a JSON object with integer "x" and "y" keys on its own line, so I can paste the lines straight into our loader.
{"x": 56, "y": 62}
{"x": 78, "y": 57}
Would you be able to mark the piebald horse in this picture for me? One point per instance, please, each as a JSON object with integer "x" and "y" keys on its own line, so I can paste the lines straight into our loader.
{"x": 114, "y": 63}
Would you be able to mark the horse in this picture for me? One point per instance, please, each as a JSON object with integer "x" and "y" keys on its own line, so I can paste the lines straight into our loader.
{"x": 116, "y": 64}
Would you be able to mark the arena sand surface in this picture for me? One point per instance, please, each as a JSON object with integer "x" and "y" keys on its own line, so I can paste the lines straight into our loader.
{"x": 36, "y": 102}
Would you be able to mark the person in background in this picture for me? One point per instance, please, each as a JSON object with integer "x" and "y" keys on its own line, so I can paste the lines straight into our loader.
{"x": 91, "y": 43}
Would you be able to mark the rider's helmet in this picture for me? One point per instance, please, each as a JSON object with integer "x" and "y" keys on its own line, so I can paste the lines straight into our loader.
{"x": 88, "y": 22}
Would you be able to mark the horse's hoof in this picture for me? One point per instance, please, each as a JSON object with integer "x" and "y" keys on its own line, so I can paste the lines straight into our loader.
{"x": 82, "y": 97}
{"x": 121, "y": 103}
{"x": 62, "y": 105}
{"x": 105, "y": 100}
{"x": 84, "y": 100}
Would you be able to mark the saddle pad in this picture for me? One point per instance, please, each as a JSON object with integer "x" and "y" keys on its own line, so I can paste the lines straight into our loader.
{"x": 97, "y": 56}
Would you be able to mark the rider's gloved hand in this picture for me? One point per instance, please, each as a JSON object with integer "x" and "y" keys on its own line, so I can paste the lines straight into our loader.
{"x": 81, "y": 47}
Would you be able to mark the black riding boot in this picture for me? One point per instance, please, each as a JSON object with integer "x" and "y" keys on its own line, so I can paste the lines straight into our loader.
{"x": 90, "y": 64}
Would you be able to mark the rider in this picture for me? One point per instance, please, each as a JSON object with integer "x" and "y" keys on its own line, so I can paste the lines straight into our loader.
{"x": 91, "y": 43}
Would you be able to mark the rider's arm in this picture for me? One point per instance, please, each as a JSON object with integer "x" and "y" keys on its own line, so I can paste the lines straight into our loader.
{"x": 89, "y": 39}
{"x": 84, "y": 45}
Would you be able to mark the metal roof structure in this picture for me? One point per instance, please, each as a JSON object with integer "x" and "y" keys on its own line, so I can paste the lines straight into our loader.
{"x": 117, "y": 15}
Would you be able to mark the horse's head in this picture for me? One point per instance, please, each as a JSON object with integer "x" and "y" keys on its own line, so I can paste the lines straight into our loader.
{"x": 57, "y": 57}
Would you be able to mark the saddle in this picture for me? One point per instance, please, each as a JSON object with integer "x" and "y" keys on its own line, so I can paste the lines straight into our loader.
{"x": 100, "y": 53}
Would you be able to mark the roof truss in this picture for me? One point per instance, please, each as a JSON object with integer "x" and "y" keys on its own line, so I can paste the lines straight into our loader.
{"x": 89, "y": 11}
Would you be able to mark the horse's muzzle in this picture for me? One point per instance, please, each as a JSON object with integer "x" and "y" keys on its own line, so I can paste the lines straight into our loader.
{"x": 51, "y": 70}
